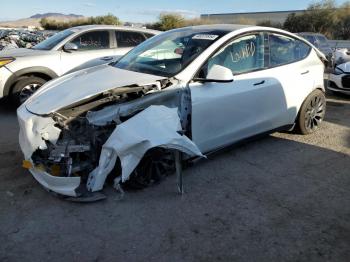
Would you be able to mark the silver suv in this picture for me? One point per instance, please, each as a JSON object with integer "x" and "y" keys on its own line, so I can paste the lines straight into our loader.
{"x": 23, "y": 71}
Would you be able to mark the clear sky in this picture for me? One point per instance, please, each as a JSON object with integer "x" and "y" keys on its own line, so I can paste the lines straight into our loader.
{"x": 143, "y": 10}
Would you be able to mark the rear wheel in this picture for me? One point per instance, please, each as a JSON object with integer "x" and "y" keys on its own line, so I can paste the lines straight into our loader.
{"x": 312, "y": 113}
{"x": 25, "y": 87}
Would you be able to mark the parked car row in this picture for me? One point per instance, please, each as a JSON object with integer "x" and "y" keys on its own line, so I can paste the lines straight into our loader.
{"x": 174, "y": 97}
{"x": 339, "y": 63}
{"x": 23, "y": 71}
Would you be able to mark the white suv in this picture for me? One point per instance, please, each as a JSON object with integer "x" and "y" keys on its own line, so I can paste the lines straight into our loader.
{"x": 23, "y": 71}
{"x": 195, "y": 90}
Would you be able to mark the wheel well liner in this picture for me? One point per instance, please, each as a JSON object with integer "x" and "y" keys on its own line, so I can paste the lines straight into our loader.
{"x": 38, "y": 71}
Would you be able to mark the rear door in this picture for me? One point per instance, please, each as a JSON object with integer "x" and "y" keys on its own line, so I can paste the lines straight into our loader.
{"x": 127, "y": 40}
{"x": 296, "y": 66}
{"x": 91, "y": 45}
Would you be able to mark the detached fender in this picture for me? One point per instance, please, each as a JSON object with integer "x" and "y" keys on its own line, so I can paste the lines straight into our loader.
{"x": 26, "y": 71}
{"x": 156, "y": 126}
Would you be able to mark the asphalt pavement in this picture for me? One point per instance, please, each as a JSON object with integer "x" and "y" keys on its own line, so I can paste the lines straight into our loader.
{"x": 284, "y": 197}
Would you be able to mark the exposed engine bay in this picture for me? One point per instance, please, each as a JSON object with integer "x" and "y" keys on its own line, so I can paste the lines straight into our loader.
{"x": 77, "y": 150}
{"x": 93, "y": 136}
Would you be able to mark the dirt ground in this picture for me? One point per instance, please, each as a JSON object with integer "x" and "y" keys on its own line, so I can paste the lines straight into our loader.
{"x": 282, "y": 198}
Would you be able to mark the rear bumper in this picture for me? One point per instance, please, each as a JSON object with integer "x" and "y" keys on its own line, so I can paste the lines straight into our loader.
{"x": 5, "y": 74}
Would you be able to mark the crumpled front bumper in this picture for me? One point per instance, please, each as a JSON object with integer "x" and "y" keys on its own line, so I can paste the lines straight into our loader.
{"x": 156, "y": 126}
{"x": 34, "y": 130}
{"x": 335, "y": 84}
{"x": 66, "y": 186}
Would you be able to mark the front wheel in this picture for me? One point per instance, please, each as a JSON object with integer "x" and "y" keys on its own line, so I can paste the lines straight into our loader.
{"x": 25, "y": 87}
{"x": 156, "y": 164}
{"x": 312, "y": 113}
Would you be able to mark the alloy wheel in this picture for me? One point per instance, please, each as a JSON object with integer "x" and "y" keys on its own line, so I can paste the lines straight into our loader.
{"x": 27, "y": 91}
{"x": 315, "y": 112}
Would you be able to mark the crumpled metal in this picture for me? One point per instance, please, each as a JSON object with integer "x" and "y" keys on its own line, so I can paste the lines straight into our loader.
{"x": 156, "y": 126}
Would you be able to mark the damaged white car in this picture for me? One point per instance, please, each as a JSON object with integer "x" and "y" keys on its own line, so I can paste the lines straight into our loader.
{"x": 191, "y": 90}
{"x": 339, "y": 79}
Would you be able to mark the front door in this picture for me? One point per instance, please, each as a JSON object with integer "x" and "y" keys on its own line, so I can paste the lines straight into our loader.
{"x": 91, "y": 45}
{"x": 254, "y": 102}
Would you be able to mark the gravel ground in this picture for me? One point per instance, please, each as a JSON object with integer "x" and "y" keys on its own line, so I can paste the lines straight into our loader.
{"x": 282, "y": 198}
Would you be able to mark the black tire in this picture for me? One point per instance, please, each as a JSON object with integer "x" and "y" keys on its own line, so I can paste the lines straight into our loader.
{"x": 311, "y": 113}
{"x": 25, "y": 87}
{"x": 156, "y": 164}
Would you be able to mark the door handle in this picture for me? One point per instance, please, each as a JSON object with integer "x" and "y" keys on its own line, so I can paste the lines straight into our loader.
{"x": 259, "y": 83}
{"x": 306, "y": 72}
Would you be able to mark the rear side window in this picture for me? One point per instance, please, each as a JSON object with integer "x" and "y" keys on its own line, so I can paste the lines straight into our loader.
{"x": 129, "y": 39}
{"x": 92, "y": 41}
{"x": 285, "y": 50}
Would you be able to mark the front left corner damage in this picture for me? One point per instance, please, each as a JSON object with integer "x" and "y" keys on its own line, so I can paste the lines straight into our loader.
{"x": 156, "y": 126}
{"x": 72, "y": 155}
{"x": 34, "y": 131}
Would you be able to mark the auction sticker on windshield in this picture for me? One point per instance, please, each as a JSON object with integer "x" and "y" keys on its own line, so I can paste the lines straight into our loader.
{"x": 205, "y": 37}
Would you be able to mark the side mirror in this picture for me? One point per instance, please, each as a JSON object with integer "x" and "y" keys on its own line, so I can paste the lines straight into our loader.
{"x": 69, "y": 47}
{"x": 217, "y": 73}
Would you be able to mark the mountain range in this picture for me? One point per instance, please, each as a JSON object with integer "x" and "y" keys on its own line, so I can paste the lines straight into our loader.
{"x": 34, "y": 20}
{"x": 48, "y": 15}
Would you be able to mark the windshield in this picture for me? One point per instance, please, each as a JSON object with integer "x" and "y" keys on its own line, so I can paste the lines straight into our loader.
{"x": 169, "y": 53}
{"x": 54, "y": 40}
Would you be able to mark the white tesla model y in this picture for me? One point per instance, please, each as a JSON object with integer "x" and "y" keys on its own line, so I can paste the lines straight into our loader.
{"x": 193, "y": 90}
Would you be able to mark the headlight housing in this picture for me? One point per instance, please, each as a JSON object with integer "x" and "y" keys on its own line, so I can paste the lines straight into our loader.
{"x": 6, "y": 60}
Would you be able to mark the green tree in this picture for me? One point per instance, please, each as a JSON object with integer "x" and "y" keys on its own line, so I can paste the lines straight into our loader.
{"x": 109, "y": 19}
{"x": 168, "y": 22}
{"x": 297, "y": 23}
{"x": 105, "y": 20}
{"x": 342, "y": 24}
{"x": 270, "y": 23}
{"x": 319, "y": 17}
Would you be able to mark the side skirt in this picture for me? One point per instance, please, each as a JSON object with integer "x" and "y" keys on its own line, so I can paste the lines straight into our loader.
{"x": 228, "y": 147}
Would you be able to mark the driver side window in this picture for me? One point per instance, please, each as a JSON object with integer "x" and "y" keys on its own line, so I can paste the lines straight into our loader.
{"x": 242, "y": 55}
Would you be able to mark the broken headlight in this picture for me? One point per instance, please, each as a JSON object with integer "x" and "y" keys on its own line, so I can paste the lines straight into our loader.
{"x": 6, "y": 60}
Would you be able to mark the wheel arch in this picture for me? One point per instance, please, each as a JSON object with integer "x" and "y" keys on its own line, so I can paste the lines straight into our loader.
{"x": 320, "y": 88}
{"x": 38, "y": 71}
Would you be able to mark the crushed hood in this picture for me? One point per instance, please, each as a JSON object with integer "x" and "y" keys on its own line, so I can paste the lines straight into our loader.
{"x": 75, "y": 87}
